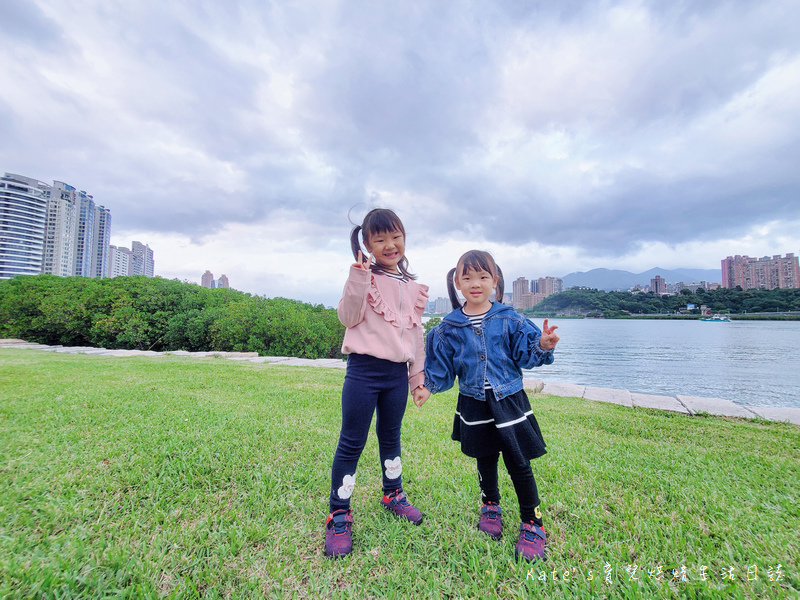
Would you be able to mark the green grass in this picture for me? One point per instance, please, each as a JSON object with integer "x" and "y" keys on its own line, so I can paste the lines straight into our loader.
{"x": 176, "y": 477}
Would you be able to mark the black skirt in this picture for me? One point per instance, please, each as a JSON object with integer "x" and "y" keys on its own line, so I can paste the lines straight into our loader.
{"x": 487, "y": 427}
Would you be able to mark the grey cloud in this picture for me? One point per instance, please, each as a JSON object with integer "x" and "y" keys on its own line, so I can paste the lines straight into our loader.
{"x": 23, "y": 21}
{"x": 401, "y": 98}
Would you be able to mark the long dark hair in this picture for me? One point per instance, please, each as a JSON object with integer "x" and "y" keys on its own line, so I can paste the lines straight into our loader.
{"x": 377, "y": 221}
{"x": 479, "y": 261}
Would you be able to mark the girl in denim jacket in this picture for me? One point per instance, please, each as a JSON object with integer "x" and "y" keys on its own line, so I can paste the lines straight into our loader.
{"x": 381, "y": 308}
{"x": 486, "y": 345}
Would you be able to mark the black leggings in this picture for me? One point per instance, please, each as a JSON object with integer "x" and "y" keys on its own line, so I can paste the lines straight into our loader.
{"x": 372, "y": 386}
{"x": 521, "y": 477}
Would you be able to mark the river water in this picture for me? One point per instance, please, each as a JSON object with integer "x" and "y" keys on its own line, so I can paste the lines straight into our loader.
{"x": 748, "y": 362}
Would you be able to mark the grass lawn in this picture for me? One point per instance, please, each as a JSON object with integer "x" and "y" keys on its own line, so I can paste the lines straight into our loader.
{"x": 174, "y": 477}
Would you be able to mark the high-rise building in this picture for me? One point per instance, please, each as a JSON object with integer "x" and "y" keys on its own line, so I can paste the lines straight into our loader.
{"x": 521, "y": 293}
{"x": 59, "y": 246}
{"x": 143, "y": 263}
{"x": 658, "y": 285}
{"x": 443, "y": 305}
{"x": 120, "y": 262}
{"x": 84, "y": 236}
{"x": 208, "y": 281}
{"x": 23, "y": 219}
{"x": 76, "y": 231}
{"x": 547, "y": 286}
{"x": 761, "y": 273}
{"x": 102, "y": 237}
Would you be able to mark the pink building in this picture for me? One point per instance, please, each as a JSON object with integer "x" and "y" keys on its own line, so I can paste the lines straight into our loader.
{"x": 761, "y": 273}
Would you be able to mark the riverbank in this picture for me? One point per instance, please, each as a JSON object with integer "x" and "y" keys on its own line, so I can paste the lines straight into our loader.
{"x": 164, "y": 476}
{"x": 680, "y": 403}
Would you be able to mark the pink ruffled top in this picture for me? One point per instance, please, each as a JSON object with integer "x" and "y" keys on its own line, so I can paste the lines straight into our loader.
{"x": 383, "y": 317}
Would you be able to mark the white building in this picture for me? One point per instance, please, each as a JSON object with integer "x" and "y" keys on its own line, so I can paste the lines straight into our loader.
{"x": 102, "y": 238}
{"x": 59, "y": 245}
{"x": 143, "y": 263}
{"x": 23, "y": 219}
{"x": 120, "y": 262}
{"x": 443, "y": 305}
{"x": 74, "y": 232}
{"x": 84, "y": 236}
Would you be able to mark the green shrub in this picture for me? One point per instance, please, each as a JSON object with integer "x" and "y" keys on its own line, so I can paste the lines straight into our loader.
{"x": 151, "y": 313}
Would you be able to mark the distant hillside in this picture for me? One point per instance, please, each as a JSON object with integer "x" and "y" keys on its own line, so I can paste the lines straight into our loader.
{"x": 609, "y": 280}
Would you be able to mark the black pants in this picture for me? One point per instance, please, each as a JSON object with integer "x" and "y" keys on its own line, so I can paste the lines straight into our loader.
{"x": 522, "y": 478}
{"x": 371, "y": 385}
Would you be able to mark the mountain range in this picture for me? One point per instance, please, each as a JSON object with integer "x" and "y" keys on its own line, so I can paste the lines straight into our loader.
{"x": 610, "y": 280}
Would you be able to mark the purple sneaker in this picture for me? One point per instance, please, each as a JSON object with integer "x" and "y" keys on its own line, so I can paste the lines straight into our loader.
{"x": 491, "y": 521}
{"x": 531, "y": 542}
{"x": 338, "y": 541}
{"x": 399, "y": 505}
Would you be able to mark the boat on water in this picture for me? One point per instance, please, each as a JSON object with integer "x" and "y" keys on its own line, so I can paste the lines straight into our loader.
{"x": 717, "y": 318}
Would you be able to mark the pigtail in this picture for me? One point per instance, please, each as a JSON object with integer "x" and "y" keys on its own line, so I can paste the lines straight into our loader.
{"x": 402, "y": 266}
{"x": 498, "y": 292}
{"x": 354, "y": 243}
{"x": 451, "y": 289}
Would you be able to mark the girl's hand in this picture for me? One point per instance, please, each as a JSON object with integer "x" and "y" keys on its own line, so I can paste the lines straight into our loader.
{"x": 549, "y": 337}
{"x": 420, "y": 394}
{"x": 364, "y": 263}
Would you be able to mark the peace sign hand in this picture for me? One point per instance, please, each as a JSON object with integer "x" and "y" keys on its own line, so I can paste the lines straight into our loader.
{"x": 549, "y": 337}
{"x": 364, "y": 263}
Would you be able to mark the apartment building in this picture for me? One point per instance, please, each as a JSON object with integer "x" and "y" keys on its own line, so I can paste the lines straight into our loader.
{"x": 120, "y": 262}
{"x": 23, "y": 222}
{"x": 761, "y": 273}
{"x": 658, "y": 285}
{"x": 527, "y": 294}
{"x": 143, "y": 263}
{"x": 207, "y": 281}
{"x": 53, "y": 229}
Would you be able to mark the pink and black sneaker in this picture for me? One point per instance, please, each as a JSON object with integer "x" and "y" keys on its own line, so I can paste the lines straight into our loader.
{"x": 338, "y": 540}
{"x": 491, "y": 521}
{"x": 399, "y": 505}
{"x": 531, "y": 542}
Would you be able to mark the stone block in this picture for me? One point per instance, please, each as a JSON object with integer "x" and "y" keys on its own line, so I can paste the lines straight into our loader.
{"x": 533, "y": 385}
{"x": 659, "y": 402}
{"x": 613, "y": 396}
{"x": 563, "y": 389}
{"x": 778, "y": 413}
{"x": 715, "y": 406}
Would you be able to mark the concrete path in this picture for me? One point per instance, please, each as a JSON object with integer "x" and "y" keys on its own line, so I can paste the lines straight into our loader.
{"x": 688, "y": 405}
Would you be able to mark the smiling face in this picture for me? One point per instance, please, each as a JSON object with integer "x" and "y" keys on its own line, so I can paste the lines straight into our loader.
{"x": 388, "y": 248}
{"x": 477, "y": 287}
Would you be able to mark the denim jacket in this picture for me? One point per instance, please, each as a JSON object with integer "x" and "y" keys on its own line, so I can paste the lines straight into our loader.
{"x": 497, "y": 351}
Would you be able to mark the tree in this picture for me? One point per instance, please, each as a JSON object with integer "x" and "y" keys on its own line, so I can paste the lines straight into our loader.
{"x": 159, "y": 314}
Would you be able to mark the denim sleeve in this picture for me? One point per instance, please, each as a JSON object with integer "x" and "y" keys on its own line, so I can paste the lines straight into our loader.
{"x": 525, "y": 350}
{"x": 439, "y": 371}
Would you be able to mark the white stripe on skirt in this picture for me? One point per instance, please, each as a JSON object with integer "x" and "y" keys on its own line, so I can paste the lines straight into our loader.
{"x": 506, "y": 424}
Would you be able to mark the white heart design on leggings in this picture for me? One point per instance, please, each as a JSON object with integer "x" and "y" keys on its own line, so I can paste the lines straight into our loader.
{"x": 346, "y": 489}
{"x": 393, "y": 468}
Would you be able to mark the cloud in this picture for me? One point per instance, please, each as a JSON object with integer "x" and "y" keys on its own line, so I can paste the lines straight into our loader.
{"x": 560, "y": 133}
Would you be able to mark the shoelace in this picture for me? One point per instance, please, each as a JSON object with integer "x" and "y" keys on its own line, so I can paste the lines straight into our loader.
{"x": 531, "y": 535}
{"x": 400, "y": 499}
{"x": 340, "y": 524}
{"x": 492, "y": 511}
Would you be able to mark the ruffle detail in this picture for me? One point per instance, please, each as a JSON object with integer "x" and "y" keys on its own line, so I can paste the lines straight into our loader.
{"x": 407, "y": 321}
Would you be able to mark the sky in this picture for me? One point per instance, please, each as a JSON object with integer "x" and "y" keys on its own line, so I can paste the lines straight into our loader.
{"x": 247, "y": 137}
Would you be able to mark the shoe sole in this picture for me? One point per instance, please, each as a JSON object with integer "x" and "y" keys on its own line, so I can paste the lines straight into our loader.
{"x": 417, "y": 522}
{"x": 518, "y": 554}
{"x": 494, "y": 537}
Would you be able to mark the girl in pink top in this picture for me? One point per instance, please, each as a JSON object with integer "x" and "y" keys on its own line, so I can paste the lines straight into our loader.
{"x": 381, "y": 308}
